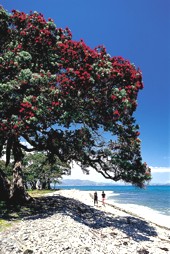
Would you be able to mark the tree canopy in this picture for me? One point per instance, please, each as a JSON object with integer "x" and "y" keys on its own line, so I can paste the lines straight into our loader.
{"x": 38, "y": 170}
{"x": 62, "y": 97}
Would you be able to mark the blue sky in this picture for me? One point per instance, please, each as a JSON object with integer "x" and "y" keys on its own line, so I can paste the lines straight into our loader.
{"x": 137, "y": 30}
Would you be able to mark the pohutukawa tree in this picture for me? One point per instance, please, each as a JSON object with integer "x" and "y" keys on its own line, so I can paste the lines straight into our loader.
{"x": 62, "y": 97}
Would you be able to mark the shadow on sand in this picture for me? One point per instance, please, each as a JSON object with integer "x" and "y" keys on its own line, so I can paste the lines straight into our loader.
{"x": 42, "y": 207}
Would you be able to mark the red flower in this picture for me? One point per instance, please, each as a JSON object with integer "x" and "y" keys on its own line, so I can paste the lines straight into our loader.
{"x": 113, "y": 97}
{"x": 21, "y": 110}
{"x": 55, "y": 103}
{"x": 26, "y": 104}
{"x": 116, "y": 112}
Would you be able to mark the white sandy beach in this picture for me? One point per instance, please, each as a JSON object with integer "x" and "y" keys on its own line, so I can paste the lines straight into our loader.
{"x": 71, "y": 224}
{"x": 143, "y": 212}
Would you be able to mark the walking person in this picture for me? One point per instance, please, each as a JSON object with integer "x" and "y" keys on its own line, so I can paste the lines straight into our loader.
{"x": 95, "y": 198}
{"x": 103, "y": 198}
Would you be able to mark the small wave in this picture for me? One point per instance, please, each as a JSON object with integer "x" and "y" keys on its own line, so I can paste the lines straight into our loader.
{"x": 145, "y": 212}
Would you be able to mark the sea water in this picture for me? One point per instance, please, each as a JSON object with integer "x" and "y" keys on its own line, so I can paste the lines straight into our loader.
{"x": 156, "y": 198}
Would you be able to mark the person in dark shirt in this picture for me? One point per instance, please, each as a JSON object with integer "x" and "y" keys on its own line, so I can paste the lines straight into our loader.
{"x": 95, "y": 198}
{"x": 103, "y": 198}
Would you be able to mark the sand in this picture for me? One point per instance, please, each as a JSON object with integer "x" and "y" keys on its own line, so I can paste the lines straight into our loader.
{"x": 143, "y": 212}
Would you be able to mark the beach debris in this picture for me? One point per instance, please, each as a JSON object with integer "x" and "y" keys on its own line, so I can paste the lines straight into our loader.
{"x": 143, "y": 251}
{"x": 165, "y": 249}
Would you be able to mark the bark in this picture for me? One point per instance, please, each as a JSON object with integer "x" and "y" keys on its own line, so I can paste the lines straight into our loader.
{"x": 18, "y": 192}
{"x": 33, "y": 185}
{"x": 38, "y": 185}
{"x": 4, "y": 187}
{"x": 45, "y": 183}
{"x": 48, "y": 184}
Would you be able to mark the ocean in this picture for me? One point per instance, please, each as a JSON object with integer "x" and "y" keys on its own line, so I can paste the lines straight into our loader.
{"x": 155, "y": 198}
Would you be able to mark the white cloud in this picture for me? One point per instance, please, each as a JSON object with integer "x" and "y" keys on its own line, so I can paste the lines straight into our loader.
{"x": 159, "y": 169}
{"x": 77, "y": 173}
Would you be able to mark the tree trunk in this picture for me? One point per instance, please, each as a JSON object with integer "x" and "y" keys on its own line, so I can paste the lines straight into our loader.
{"x": 48, "y": 184}
{"x": 4, "y": 187}
{"x": 33, "y": 185}
{"x": 18, "y": 193}
{"x": 38, "y": 185}
{"x": 43, "y": 183}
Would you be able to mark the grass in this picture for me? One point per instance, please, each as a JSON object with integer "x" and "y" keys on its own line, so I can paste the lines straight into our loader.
{"x": 4, "y": 224}
{"x": 37, "y": 193}
{"x": 11, "y": 213}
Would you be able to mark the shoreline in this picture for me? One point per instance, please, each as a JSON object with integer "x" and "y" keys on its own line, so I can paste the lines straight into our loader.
{"x": 142, "y": 212}
{"x": 156, "y": 219}
{"x": 71, "y": 224}
{"x": 158, "y": 203}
